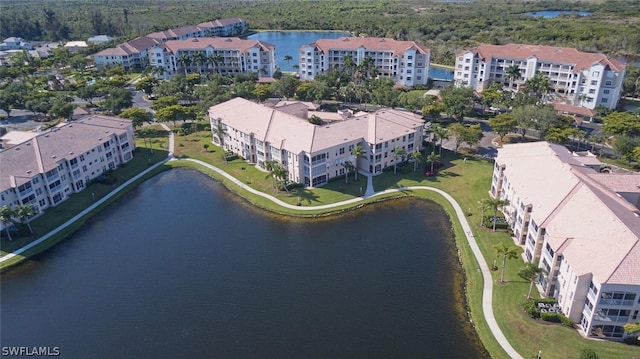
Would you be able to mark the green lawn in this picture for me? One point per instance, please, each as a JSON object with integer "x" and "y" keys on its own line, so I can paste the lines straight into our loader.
{"x": 467, "y": 181}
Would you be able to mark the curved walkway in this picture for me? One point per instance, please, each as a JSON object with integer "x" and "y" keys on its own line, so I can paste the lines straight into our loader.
{"x": 487, "y": 292}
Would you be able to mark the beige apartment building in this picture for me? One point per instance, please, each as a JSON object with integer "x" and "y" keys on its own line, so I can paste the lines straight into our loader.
{"x": 135, "y": 53}
{"x": 49, "y": 166}
{"x": 405, "y": 62}
{"x": 224, "y": 55}
{"x": 583, "y": 226}
{"x": 313, "y": 154}
{"x": 578, "y": 78}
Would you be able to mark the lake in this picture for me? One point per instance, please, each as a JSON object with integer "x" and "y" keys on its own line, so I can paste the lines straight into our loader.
{"x": 289, "y": 42}
{"x": 180, "y": 267}
{"x": 550, "y": 14}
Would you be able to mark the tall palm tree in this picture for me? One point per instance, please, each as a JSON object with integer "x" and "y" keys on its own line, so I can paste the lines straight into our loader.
{"x": 416, "y": 156}
{"x": 348, "y": 167}
{"x": 24, "y": 212}
{"x": 512, "y": 73}
{"x": 6, "y": 214}
{"x": 495, "y": 203}
{"x": 271, "y": 167}
{"x": 505, "y": 252}
{"x": 398, "y": 152}
{"x": 184, "y": 60}
{"x": 357, "y": 152}
{"x": 483, "y": 204}
{"x": 432, "y": 158}
{"x": 288, "y": 58}
{"x": 220, "y": 130}
{"x": 440, "y": 133}
{"x": 199, "y": 59}
{"x": 531, "y": 271}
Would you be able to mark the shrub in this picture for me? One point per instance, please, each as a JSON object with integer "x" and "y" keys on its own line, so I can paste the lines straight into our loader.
{"x": 551, "y": 317}
{"x": 567, "y": 322}
{"x": 586, "y": 353}
{"x": 632, "y": 339}
{"x": 530, "y": 307}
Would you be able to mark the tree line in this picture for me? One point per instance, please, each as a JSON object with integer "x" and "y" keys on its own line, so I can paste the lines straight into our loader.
{"x": 446, "y": 27}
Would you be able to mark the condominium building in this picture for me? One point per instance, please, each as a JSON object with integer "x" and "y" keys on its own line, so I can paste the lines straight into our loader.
{"x": 578, "y": 78}
{"x": 225, "y": 55}
{"x": 313, "y": 154}
{"x": 583, "y": 228}
{"x": 405, "y": 62}
{"x": 134, "y": 53}
{"x": 48, "y": 167}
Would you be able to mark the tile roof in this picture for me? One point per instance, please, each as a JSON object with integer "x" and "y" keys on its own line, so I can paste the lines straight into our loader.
{"x": 134, "y": 46}
{"x": 220, "y": 22}
{"x": 577, "y": 110}
{"x": 584, "y": 212}
{"x": 580, "y": 60}
{"x": 217, "y": 43}
{"x": 43, "y": 152}
{"x": 174, "y": 32}
{"x": 369, "y": 43}
{"x": 284, "y": 130}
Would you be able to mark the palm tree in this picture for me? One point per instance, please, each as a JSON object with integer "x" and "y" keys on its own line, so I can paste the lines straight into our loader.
{"x": 512, "y": 73}
{"x": 24, "y": 212}
{"x": 273, "y": 167}
{"x": 506, "y": 253}
{"x": 483, "y": 204}
{"x": 495, "y": 203}
{"x": 398, "y": 152}
{"x": 348, "y": 167}
{"x": 199, "y": 58}
{"x": 416, "y": 156}
{"x": 184, "y": 60}
{"x": 440, "y": 133}
{"x": 432, "y": 158}
{"x": 219, "y": 131}
{"x": 6, "y": 214}
{"x": 357, "y": 152}
{"x": 288, "y": 58}
{"x": 531, "y": 271}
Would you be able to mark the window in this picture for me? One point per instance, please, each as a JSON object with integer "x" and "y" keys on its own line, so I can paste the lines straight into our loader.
{"x": 606, "y": 92}
{"x": 594, "y": 82}
{"x": 607, "y": 83}
{"x": 604, "y": 100}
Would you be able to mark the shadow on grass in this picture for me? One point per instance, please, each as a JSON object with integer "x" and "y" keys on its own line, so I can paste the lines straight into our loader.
{"x": 150, "y": 132}
{"x": 305, "y": 195}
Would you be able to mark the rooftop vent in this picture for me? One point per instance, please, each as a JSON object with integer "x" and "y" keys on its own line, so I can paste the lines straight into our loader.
{"x": 53, "y": 156}
{"x": 71, "y": 152}
{"x": 17, "y": 148}
{"x": 28, "y": 171}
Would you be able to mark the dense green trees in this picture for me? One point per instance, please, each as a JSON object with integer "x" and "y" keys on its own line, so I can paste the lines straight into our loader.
{"x": 444, "y": 26}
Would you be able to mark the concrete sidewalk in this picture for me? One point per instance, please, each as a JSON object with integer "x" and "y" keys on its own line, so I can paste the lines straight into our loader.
{"x": 487, "y": 293}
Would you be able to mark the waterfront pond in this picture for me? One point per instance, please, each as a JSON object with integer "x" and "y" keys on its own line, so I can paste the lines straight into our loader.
{"x": 288, "y": 43}
{"x": 182, "y": 268}
{"x": 550, "y": 14}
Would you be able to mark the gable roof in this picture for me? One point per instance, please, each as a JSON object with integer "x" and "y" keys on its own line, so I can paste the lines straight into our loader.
{"x": 202, "y": 43}
{"x": 369, "y": 43}
{"x": 579, "y": 59}
{"x": 583, "y": 211}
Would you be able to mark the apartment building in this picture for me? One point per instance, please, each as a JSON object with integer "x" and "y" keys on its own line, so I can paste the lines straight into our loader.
{"x": 225, "y": 55}
{"x": 581, "y": 225}
{"x": 405, "y": 62}
{"x": 577, "y": 78}
{"x": 48, "y": 167}
{"x": 134, "y": 53}
{"x": 313, "y": 154}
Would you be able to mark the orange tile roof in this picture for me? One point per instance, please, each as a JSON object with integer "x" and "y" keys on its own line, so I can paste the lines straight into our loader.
{"x": 580, "y": 60}
{"x": 370, "y": 43}
{"x": 578, "y": 110}
{"x": 221, "y": 22}
{"x": 217, "y": 43}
